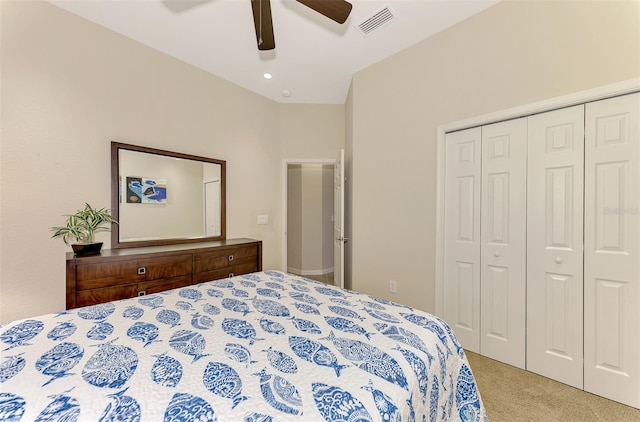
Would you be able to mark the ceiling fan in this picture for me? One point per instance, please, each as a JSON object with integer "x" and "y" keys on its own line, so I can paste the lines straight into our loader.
{"x": 337, "y": 10}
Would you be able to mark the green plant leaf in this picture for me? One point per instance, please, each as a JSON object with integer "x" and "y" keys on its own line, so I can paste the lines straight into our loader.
{"x": 83, "y": 224}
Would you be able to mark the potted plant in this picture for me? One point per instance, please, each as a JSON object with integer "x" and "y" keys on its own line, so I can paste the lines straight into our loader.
{"x": 81, "y": 228}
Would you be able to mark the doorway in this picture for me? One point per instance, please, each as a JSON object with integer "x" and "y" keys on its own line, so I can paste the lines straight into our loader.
{"x": 308, "y": 218}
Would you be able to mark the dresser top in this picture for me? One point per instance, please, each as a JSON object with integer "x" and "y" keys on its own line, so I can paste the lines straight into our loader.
{"x": 183, "y": 247}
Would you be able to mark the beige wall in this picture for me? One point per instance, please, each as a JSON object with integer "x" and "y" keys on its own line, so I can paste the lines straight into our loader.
{"x": 320, "y": 125}
{"x": 311, "y": 218}
{"x": 294, "y": 218}
{"x": 69, "y": 87}
{"x": 309, "y": 226}
{"x": 512, "y": 54}
{"x": 327, "y": 220}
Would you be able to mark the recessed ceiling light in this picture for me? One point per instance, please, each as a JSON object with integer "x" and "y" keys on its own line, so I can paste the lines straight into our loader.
{"x": 286, "y": 93}
{"x": 267, "y": 76}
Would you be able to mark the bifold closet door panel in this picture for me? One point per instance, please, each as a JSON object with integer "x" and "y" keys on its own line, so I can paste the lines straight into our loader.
{"x": 503, "y": 241}
{"x": 554, "y": 245}
{"x": 612, "y": 249}
{"x": 462, "y": 236}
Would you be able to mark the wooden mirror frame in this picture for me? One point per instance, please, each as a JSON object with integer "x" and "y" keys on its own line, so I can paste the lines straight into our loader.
{"x": 116, "y": 147}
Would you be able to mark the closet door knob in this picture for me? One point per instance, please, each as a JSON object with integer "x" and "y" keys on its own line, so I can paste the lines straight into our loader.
{"x": 558, "y": 260}
{"x": 496, "y": 254}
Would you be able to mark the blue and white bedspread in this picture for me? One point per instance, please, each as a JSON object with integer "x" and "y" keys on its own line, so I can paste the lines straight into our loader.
{"x": 267, "y": 346}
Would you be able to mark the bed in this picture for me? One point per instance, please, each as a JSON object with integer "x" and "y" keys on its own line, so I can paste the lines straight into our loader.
{"x": 266, "y": 346}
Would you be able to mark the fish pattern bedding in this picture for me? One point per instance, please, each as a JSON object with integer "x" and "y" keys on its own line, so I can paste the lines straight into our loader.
{"x": 266, "y": 346}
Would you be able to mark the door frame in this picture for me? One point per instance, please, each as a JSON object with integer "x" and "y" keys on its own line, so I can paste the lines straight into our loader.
{"x": 285, "y": 167}
{"x": 619, "y": 88}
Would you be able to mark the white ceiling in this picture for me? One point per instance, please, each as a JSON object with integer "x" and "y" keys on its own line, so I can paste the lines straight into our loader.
{"x": 314, "y": 58}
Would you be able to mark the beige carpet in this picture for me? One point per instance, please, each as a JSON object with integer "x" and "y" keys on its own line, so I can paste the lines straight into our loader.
{"x": 513, "y": 395}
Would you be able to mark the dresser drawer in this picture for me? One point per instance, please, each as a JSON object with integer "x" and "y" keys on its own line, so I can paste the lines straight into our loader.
{"x": 225, "y": 272}
{"x": 209, "y": 261}
{"x": 92, "y": 276}
{"x": 167, "y": 267}
{"x": 149, "y": 287}
{"x": 95, "y": 296}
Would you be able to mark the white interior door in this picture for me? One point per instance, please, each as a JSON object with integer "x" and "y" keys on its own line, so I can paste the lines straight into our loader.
{"x": 338, "y": 222}
{"x": 612, "y": 249}
{"x": 461, "y": 290}
{"x": 554, "y": 245}
{"x": 503, "y": 241}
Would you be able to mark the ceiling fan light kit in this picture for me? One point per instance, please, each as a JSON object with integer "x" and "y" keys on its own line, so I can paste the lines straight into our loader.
{"x": 336, "y": 10}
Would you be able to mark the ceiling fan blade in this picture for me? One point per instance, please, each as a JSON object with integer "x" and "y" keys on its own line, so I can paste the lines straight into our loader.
{"x": 337, "y": 10}
{"x": 263, "y": 24}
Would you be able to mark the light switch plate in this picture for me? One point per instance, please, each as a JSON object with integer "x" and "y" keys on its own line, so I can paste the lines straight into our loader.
{"x": 263, "y": 219}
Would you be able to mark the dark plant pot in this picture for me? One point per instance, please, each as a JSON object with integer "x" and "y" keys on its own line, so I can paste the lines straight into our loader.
{"x": 86, "y": 248}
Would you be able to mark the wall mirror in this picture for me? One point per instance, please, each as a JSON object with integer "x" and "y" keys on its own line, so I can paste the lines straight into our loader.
{"x": 163, "y": 197}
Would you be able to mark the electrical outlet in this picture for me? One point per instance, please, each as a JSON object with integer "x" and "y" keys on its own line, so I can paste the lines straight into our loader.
{"x": 393, "y": 286}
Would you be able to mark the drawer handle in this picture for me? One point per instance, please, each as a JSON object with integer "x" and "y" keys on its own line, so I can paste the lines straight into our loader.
{"x": 230, "y": 257}
{"x": 231, "y": 275}
{"x": 142, "y": 293}
{"x": 142, "y": 270}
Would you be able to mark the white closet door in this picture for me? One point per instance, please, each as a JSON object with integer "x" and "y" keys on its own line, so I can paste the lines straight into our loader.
{"x": 612, "y": 250}
{"x": 462, "y": 236}
{"x": 554, "y": 245}
{"x": 503, "y": 241}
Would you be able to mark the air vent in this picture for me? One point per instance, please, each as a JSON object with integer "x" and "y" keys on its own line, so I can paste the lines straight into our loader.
{"x": 377, "y": 20}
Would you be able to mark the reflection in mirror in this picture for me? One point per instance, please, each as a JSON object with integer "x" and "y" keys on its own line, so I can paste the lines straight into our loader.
{"x": 162, "y": 197}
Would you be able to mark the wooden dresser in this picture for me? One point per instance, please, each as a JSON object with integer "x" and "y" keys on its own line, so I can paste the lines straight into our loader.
{"x": 123, "y": 273}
